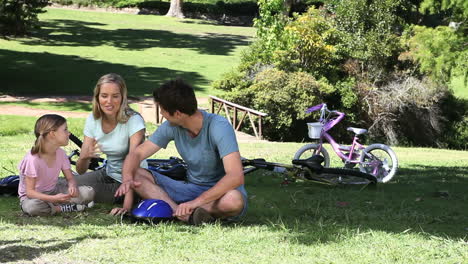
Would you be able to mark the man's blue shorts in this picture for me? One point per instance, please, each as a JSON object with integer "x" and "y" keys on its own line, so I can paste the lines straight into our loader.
{"x": 183, "y": 191}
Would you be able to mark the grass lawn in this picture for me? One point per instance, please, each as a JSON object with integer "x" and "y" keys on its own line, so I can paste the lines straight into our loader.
{"x": 74, "y": 48}
{"x": 419, "y": 217}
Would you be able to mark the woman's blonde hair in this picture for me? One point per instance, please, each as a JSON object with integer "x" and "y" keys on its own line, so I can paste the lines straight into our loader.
{"x": 125, "y": 112}
{"x": 44, "y": 125}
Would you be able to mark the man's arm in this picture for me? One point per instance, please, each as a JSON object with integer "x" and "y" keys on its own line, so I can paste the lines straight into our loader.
{"x": 132, "y": 163}
{"x": 135, "y": 140}
{"x": 234, "y": 178}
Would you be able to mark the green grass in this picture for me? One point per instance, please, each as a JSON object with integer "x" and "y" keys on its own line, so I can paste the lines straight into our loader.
{"x": 404, "y": 221}
{"x": 74, "y": 48}
{"x": 59, "y": 106}
{"x": 66, "y": 106}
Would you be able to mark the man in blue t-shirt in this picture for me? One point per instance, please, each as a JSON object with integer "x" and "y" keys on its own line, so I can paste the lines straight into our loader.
{"x": 207, "y": 143}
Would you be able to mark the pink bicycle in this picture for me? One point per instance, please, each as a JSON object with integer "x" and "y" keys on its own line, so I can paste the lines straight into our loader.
{"x": 376, "y": 159}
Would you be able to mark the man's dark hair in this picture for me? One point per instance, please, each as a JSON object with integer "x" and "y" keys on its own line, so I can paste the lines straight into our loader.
{"x": 176, "y": 95}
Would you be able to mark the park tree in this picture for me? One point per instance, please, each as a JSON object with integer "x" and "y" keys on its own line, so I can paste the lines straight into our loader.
{"x": 351, "y": 54}
{"x": 19, "y": 16}
{"x": 457, "y": 9}
{"x": 175, "y": 9}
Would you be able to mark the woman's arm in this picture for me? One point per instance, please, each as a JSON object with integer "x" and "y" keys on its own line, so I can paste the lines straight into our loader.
{"x": 31, "y": 193}
{"x": 89, "y": 150}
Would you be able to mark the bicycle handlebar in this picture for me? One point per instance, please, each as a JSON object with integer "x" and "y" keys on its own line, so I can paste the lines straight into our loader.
{"x": 315, "y": 108}
{"x": 323, "y": 110}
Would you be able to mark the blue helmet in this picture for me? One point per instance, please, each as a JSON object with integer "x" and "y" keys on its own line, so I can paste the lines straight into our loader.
{"x": 152, "y": 208}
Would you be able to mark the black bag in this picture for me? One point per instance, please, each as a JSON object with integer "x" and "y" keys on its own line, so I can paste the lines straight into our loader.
{"x": 173, "y": 168}
{"x": 9, "y": 185}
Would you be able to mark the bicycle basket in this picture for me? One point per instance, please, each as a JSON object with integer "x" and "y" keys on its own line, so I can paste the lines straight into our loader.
{"x": 315, "y": 129}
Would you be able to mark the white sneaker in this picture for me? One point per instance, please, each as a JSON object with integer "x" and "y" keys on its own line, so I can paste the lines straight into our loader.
{"x": 72, "y": 208}
{"x": 90, "y": 204}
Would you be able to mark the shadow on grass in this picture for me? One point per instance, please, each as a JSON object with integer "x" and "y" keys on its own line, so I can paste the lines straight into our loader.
{"x": 15, "y": 250}
{"x": 75, "y": 33}
{"x": 425, "y": 200}
{"x": 28, "y": 73}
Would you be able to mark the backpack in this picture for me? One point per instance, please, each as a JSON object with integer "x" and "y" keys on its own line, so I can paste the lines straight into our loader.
{"x": 9, "y": 185}
{"x": 173, "y": 167}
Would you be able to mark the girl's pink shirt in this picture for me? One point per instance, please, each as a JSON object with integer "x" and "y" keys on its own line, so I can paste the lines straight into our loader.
{"x": 35, "y": 167}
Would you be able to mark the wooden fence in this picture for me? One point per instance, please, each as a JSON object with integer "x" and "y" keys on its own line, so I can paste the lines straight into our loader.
{"x": 231, "y": 112}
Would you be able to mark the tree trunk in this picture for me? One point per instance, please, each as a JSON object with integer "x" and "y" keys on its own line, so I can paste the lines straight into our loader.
{"x": 175, "y": 10}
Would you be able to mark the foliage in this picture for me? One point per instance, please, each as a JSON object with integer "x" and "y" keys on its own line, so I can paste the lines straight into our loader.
{"x": 310, "y": 44}
{"x": 17, "y": 17}
{"x": 440, "y": 52}
{"x": 456, "y": 133}
{"x": 273, "y": 90}
{"x": 396, "y": 88}
{"x": 270, "y": 24}
{"x": 370, "y": 33}
{"x": 457, "y": 8}
{"x": 406, "y": 110}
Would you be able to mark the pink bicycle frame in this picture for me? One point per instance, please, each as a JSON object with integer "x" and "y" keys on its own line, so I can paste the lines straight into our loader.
{"x": 329, "y": 123}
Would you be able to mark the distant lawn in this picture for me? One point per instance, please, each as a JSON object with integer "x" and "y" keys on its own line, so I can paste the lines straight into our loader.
{"x": 74, "y": 48}
{"x": 59, "y": 106}
{"x": 66, "y": 106}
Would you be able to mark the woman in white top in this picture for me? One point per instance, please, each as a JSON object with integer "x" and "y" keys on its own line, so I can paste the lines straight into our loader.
{"x": 114, "y": 130}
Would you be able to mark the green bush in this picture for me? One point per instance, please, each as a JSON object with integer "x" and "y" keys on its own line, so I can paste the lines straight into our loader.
{"x": 440, "y": 52}
{"x": 17, "y": 17}
{"x": 284, "y": 96}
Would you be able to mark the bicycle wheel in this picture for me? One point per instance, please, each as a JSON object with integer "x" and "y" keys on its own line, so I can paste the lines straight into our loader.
{"x": 379, "y": 160}
{"x": 339, "y": 176}
{"x": 309, "y": 150}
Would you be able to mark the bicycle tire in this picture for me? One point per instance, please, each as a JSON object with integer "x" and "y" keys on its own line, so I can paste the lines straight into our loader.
{"x": 383, "y": 168}
{"x": 346, "y": 176}
{"x": 314, "y": 147}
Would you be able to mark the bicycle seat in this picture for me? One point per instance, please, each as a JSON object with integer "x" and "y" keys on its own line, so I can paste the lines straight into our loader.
{"x": 314, "y": 162}
{"x": 357, "y": 131}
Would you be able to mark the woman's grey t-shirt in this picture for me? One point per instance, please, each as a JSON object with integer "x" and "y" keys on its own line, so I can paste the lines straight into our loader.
{"x": 116, "y": 143}
{"x": 203, "y": 153}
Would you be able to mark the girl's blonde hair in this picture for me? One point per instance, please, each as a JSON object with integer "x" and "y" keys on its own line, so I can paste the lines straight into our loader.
{"x": 44, "y": 125}
{"x": 125, "y": 112}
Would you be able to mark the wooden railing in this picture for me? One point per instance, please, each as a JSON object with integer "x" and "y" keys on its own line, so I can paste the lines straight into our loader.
{"x": 231, "y": 111}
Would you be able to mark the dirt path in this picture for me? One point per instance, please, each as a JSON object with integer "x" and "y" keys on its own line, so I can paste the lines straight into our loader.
{"x": 145, "y": 106}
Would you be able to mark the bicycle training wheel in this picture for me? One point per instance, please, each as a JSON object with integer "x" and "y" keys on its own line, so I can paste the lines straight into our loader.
{"x": 338, "y": 176}
{"x": 309, "y": 150}
{"x": 379, "y": 160}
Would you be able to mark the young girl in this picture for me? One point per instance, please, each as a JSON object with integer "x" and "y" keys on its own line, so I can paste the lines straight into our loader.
{"x": 40, "y": 191}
